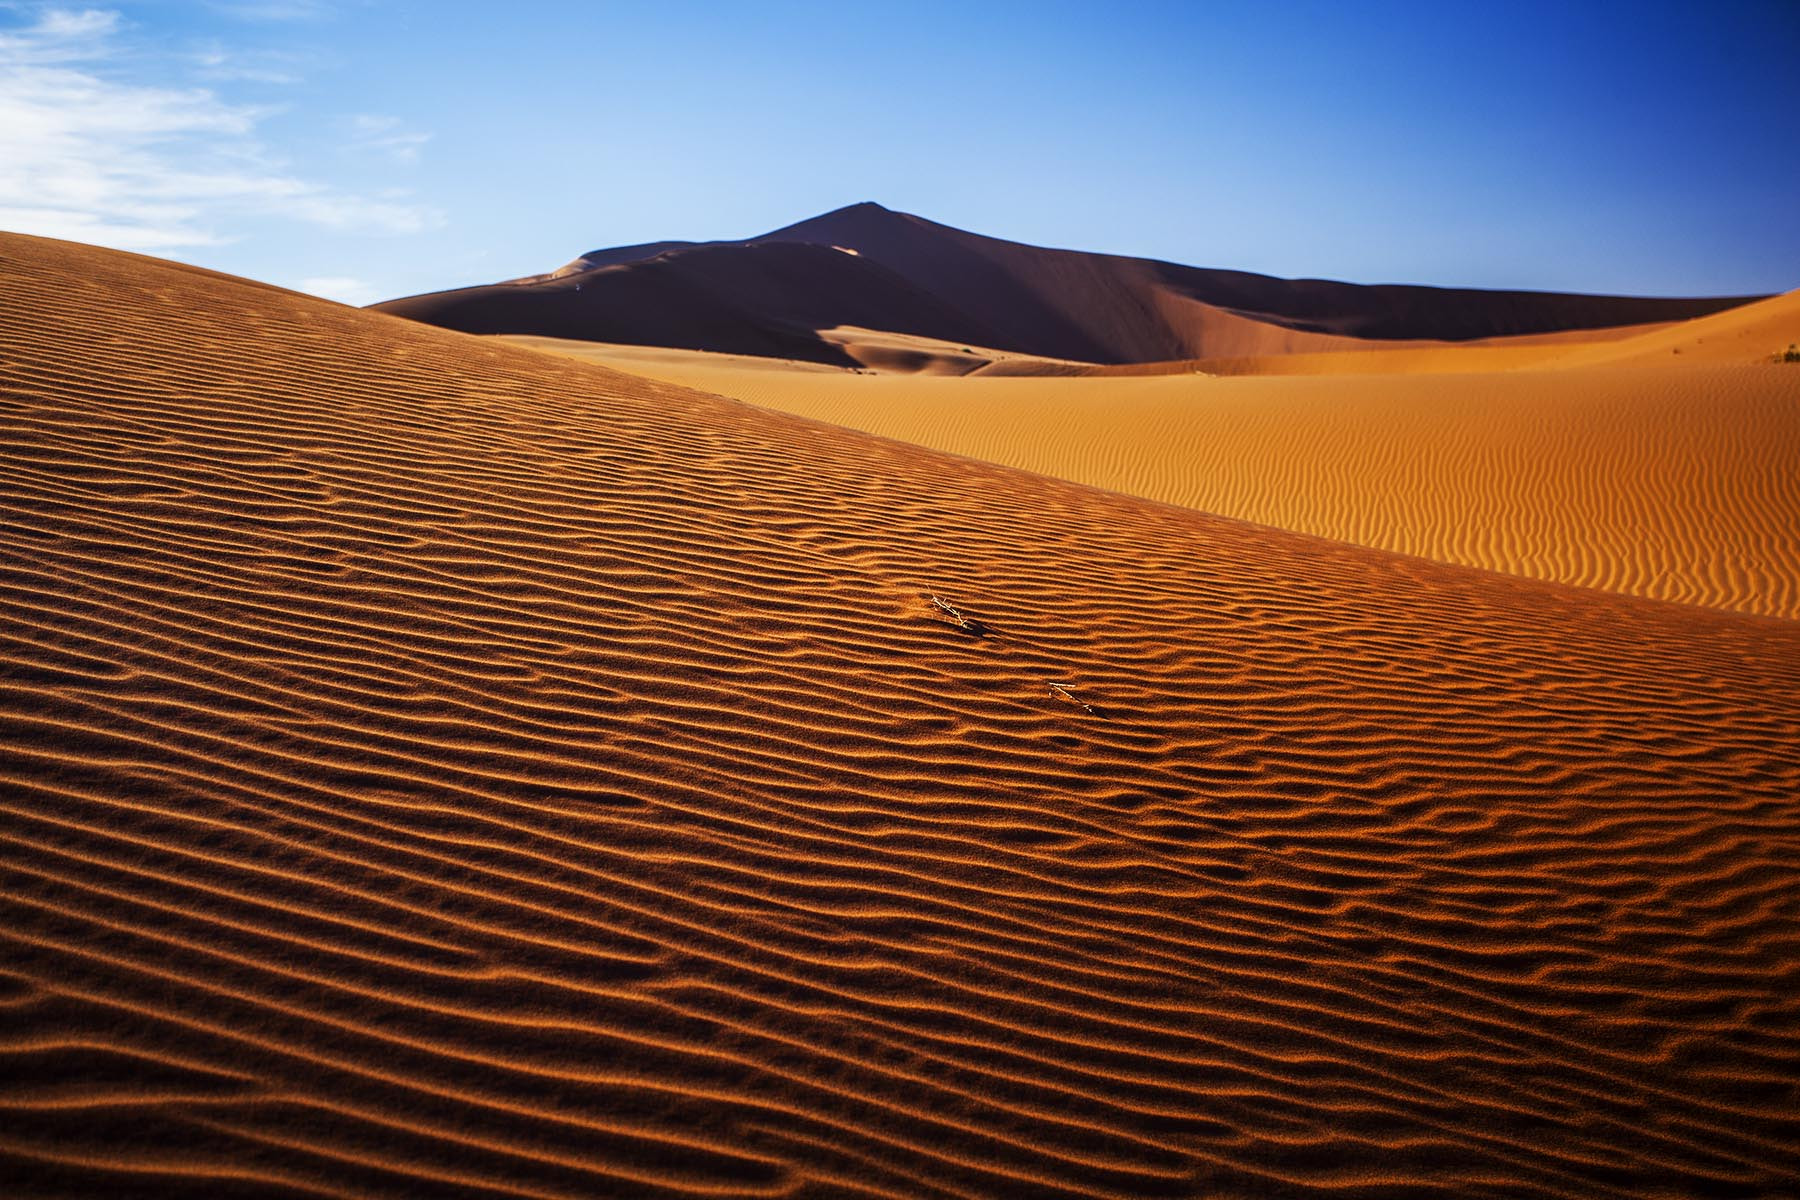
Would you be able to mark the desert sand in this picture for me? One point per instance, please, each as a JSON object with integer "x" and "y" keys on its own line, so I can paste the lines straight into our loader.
{"x": 438, "y": 768}
{"x": 1658, "y": 462}
{"x": 1753, "y": 333}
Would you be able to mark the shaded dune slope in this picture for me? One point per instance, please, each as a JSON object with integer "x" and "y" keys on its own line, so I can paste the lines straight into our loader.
{"x": 1111, "y": 308}
{"x": 742, "y": 299}
{"x": 960, "y": 286}
{"x": 1677, "y": 483}
{"x": 433, "y": 768}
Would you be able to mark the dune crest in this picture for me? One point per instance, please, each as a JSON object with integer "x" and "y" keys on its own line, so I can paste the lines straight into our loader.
{"x": 434, "y": 768}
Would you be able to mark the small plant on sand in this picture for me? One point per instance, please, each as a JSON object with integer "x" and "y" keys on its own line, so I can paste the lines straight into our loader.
{"x": 1790, "y": 355}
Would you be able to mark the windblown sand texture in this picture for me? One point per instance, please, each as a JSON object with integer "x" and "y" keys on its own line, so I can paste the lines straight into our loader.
{"x": 435, "y": 768}
{"x": 1677, "y": 482}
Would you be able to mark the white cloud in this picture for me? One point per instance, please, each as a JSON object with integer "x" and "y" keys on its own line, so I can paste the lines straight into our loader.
{"x": 387, "y": 135}
{"x": 88, "y": 156}
{"x": 345, "y": 289}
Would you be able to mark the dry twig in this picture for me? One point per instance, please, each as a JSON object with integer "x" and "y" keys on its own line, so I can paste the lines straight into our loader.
{"x": 1057, "y": 689}
{"x": 955, "y": 614}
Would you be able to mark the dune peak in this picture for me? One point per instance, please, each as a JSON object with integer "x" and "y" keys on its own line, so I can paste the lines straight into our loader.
{"x": 1049, "y": 303}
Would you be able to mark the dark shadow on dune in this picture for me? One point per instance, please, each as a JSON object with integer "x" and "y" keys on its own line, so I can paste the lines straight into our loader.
{"x": 872, "y": 268}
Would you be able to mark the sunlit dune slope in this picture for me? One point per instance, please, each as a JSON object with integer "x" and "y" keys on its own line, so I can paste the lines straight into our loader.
{"x": 1755, "y": 333}
{"x": 434, "y": 768}
{"x": 1525, "y": 352}
{"x": 1678, "y": 483}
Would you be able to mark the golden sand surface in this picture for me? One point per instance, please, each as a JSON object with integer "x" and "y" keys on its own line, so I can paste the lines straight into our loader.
{"x": 1756, "y": 333}
{"x": 438, "y": 768}
{"x": 1679, "y": 479}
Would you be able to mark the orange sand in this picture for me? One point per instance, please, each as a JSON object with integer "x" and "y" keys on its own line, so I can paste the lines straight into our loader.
{"x": 1681, "y": 483}
{"x": 436, "y": 768}
{"x": 1753, "y": 334}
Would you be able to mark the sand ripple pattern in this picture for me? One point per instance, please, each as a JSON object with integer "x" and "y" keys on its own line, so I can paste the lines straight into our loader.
{"x": 1677, "y": 483}
{"x": 436, "y": 769}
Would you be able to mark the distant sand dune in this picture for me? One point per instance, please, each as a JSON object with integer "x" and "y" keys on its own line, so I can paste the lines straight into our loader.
{"x": 1526, "y": 352}
{"x": 868, "y": 267}
{"x": 1751, "y": 334}
{"x": 434, "y": 768}
{"x": 1754, "y": 333}
{"x": 1677, "y": 483}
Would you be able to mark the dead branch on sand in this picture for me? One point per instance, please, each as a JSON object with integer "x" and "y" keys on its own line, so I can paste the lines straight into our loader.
{"x": 956, "y": 614}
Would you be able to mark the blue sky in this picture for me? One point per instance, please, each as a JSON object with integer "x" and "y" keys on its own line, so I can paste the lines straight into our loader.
{"x": 365, "y": 149}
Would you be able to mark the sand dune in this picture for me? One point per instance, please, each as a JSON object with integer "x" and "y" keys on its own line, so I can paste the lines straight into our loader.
{"x": 874, "y": 269}
{"x": 1753, "y": 334}
{"x": 436, "y": 768}
{"x": 741, "y": 299}
{"x": 1674, "y": 483}
{"x": 873, "y": 349}
{"x": 1525, "y": 352}
{"x": 1111, "y": 308}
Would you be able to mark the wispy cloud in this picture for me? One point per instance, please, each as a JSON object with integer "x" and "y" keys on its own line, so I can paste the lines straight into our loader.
{"x": 94, "y": 157}
{"x": 59, "y": 35}
{"x": 388, "y": 136}
{"x": 215, "y": 63}
{"x": 345, "y": 289}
